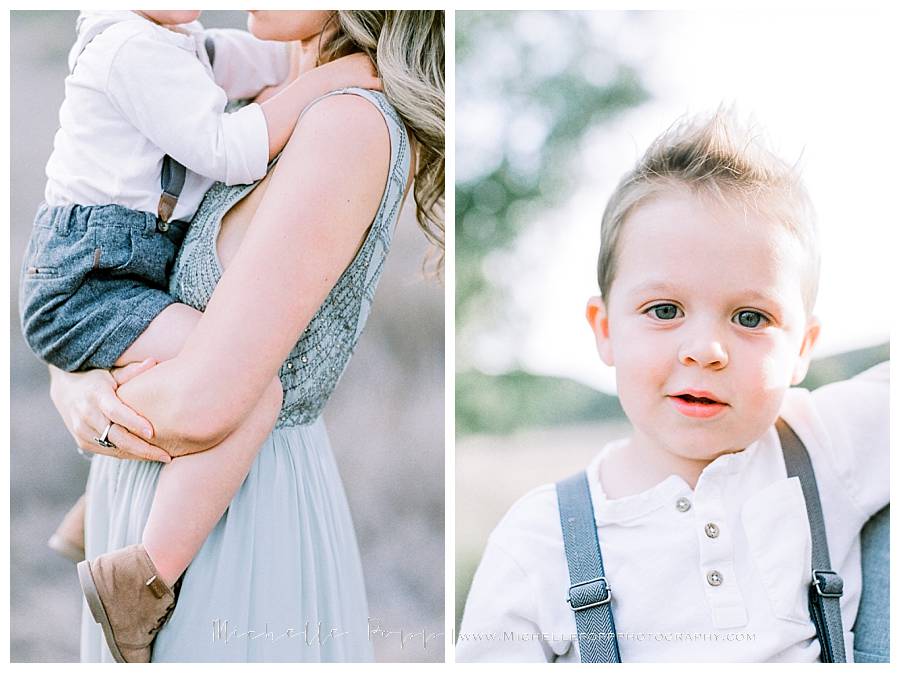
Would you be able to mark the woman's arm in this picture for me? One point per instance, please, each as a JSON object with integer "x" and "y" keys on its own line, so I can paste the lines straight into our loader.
{"x": 316, "y": 210}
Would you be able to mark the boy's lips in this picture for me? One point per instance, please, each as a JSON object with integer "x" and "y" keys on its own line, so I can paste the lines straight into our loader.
{"x": 697, "y": 403}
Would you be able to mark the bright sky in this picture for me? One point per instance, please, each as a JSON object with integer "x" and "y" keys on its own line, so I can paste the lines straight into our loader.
{"x": 823, "y": 85}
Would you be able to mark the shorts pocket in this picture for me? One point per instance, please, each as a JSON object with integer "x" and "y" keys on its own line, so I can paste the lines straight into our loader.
{"x": 133, "y": 254}
{"x": 52, "y": 255}
{"x": 777, "y": 530}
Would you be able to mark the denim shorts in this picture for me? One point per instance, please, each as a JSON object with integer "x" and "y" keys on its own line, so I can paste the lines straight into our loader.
{"x": 92, "y": 280}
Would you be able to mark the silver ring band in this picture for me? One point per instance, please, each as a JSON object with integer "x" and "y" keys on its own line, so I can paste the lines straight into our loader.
{"x": 102, "y": 439}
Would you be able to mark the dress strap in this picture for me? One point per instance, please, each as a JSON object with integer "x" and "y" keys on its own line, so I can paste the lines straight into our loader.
{"x": 400, "y": 151}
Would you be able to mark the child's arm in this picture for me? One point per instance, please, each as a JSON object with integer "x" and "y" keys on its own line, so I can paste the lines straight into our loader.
{"x": 244, "y": 65}
{"x": 283, "y": 110}
{"x": 168, "y": 96}
{"x": 851, "y": 421}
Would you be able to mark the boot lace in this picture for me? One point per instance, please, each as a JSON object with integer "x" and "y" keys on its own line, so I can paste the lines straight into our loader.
{"x": 162, "y": 620}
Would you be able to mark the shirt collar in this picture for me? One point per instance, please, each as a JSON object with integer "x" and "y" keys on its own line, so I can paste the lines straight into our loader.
{"x": 663, "y": 493}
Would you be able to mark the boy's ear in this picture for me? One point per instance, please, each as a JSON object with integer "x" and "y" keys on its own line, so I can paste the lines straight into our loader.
{"x": 598, "y": 319}
{"x": 806, "y": 348}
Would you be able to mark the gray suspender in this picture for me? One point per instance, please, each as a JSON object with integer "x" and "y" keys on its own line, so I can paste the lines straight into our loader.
{"x": 173, "y": 173}
{"x": 826, "y": 587}
{"x": 590, "y": 595}
{"x": 171, "y": 183}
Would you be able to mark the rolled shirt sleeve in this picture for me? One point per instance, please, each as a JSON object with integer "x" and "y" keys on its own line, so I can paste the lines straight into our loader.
{"x": 167, "y": 94}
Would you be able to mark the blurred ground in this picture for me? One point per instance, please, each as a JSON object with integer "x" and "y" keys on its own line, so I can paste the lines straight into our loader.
{"x": 385, "y": 418}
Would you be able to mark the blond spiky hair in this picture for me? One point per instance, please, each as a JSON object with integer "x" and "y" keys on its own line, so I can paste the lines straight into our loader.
{"x": 713, "y": 155}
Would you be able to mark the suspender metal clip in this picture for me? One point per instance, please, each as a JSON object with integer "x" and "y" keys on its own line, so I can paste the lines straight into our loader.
{"x": 828, "y": 583}
{"x": 589, "y": 594}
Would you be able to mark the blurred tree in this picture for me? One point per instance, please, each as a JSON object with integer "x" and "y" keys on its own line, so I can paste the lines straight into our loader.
{"x": 530, "y": 85}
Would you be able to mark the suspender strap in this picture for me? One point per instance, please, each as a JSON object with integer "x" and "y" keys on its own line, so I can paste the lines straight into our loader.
{"x": 589, "y": 593}
{"x": 171, "y": 182}
{"x": 210, "y": 45}
{"x": 826, "y": 587}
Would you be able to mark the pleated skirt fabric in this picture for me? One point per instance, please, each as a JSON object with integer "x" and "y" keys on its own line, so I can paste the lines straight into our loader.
{"x": 278, "y": 580}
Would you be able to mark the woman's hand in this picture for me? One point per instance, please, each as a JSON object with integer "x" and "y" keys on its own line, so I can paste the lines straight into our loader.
{"x": 87, "y": 401}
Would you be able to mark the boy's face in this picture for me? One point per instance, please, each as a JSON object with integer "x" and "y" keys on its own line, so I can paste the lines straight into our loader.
{"x": 704, "y": 322}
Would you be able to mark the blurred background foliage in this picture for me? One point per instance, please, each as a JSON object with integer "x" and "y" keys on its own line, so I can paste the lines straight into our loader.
{"x": 524, "y": 103}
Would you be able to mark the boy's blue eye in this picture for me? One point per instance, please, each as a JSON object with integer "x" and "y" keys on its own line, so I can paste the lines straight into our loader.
{"x": 664, "y": 311}
{"x": 750, "y": 319}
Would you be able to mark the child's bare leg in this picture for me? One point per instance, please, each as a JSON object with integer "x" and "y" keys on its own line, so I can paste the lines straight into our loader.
{"x": 162, "y": 340}
{"x": 194, "y": 490}
{"x": 164, "y": 337}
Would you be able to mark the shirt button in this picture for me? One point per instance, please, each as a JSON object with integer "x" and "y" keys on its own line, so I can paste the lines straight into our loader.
{"x": 290, "y": 365}
{"x": 714, "y": 577}
{"x": 162, "y": 226}
{"x": 712, "y": 530}
{"x": 682, "y": 504}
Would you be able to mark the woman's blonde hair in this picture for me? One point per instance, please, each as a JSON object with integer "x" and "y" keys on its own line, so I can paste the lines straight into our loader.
{"x": 718, "y": 157}
{"x": 407, "y": 48}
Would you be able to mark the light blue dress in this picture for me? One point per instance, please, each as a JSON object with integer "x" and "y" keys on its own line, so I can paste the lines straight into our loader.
{"x": 279, "y": 578}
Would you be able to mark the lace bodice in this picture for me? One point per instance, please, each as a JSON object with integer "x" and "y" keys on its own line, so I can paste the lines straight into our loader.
{"x": 321, "y": 354}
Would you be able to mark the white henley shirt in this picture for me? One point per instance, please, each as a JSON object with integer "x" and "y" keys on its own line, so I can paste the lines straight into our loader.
{"x": 657, "y": 557}
{"x": 139, "y": 91}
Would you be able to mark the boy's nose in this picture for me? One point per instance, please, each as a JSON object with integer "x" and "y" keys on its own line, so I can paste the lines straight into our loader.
{"x": 705, "y": 353}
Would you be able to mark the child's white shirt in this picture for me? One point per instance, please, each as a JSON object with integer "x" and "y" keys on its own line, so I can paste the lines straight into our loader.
{"x": 138, "y": 92}
{"x": 656, "y": 557}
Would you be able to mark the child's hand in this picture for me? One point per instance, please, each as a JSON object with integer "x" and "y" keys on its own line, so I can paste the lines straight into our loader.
{"x": 282, "y": 110}
{"x": 353, "y": 70}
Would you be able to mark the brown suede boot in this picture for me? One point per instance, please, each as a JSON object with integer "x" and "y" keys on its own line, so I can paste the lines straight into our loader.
{"x": 68, "y": 539}
{"x": 127, "y": 599}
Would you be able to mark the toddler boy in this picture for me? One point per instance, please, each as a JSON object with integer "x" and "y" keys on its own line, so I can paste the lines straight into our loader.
{"x": 708, "y": 273}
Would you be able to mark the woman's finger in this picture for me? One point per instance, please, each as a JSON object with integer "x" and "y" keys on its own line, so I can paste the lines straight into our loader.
{"x": 132, "y": 446}
{"x": 115, "y": 410}
{"x": 123, "y": 375}
{"x": 88, "y": 423}
{"x": 86, "y": 427}
{"x": 83, "y": 436}
{"x": 85, "y": 442}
